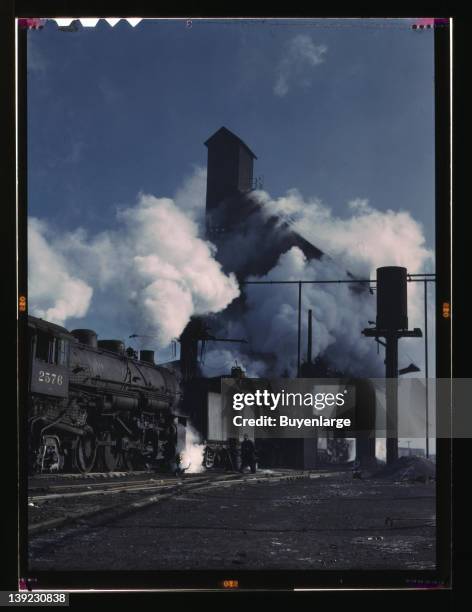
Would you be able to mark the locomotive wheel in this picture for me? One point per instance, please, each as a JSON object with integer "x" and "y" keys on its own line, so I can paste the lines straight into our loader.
{"x": 133, "y": 460}
{"x": 127, "y": 460}
{"x": 209, "y": 459}
{"x": 86, "y": 451}
{"x": 109, "y": 455}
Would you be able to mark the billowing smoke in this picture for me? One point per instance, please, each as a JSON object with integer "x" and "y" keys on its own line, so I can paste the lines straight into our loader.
{"x": 149, "y": 276}
{"x": 362, "y": 242}
{"x": 192, "y": 457}
{"x": 301, "y": 55}
{"x": 381, "y": 448}
{"x": 190, "y": 197}
{"x": 339, "y": 313}
{"x": 366, "y": 239}
{"x": 154, "y": 272}
{"x": 55, "y": 294}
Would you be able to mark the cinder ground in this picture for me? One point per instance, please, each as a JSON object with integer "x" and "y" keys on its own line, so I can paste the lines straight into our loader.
{"x": 325, "y": 523}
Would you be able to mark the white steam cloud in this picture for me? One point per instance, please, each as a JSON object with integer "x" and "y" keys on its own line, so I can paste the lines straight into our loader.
{"x": 339, "y": 315}
{"x": 149, "y": 276}
{"x": 154, "y": 272}
{"x": 301, "y": 53}
{"x": 364, "y": 241}
{"x": 191, "y": 459}
{"x": 190, "y": 197}
{"x": 54, "y": 293}
{"x": 367, "y": 239}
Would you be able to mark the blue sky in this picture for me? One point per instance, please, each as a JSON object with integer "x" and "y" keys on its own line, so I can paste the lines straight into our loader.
{"x": 344, "y": 113}
{"x": 339, "y": 111}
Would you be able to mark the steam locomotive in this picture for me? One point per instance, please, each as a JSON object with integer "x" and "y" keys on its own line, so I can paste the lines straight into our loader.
{"x": 94, "y": 405}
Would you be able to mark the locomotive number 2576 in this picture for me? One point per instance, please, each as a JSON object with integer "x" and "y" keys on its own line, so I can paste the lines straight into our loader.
{"x": 47, "y": 377}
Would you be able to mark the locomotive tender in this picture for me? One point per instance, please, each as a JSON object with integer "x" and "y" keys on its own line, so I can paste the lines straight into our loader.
{"x": 93, "y": 405}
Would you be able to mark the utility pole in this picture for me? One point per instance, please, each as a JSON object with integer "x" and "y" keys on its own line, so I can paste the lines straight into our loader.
{"x": 426, "y": 372}
{"x": 309, "y": 352}
{"x": 299, "y": 346}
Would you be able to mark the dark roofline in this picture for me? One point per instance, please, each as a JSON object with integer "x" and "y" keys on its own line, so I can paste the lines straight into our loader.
{"x": 230, "y": 133}
{"x": 47, "y": 326}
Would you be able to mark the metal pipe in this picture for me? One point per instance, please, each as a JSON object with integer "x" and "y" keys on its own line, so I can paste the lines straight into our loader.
{"x": 327, "y": 282}
{"x": 426, "y": 364}
{"x": 64, "y": 427}
{"x": 53, "y": 422}
{"x": 391, "y": 374}
{"x": 299, "y": 328}
{"x": 310, "y": 333}
{"x": 305, "y": 282}
{"x": 242, "y": 340}
{"x": 127, "y": 429}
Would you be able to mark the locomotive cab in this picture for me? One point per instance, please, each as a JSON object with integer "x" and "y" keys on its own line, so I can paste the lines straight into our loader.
{"x": 50, "y": 346}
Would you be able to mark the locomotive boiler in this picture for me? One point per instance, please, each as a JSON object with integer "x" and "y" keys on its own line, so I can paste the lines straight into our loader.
{"x": 95, "y": 405}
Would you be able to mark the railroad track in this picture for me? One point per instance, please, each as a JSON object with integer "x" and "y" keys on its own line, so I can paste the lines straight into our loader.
{"x": 80, "y": 489}
{"x": 161, "y": 490}
{"x": 64, "y": 491}
{"x": 88, "y": 475}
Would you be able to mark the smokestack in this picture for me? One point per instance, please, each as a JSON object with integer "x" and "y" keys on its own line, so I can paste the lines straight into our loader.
{"x": 85, "y": 336}
{"x": 309, "y": 351}
{"x": 194, "y": 331}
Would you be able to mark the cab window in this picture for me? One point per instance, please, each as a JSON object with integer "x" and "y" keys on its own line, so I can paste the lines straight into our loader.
{"x": 51, "y": 349}
{"x": 45, "y": 347}
{"x": 62, "y": 353}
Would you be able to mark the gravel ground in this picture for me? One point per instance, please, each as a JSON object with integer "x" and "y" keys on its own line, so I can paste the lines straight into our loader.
{"x": 329, "y": 523}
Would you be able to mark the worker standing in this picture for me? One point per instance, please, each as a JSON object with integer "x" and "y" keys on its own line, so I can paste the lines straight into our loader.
{"x": 248, "y": 455}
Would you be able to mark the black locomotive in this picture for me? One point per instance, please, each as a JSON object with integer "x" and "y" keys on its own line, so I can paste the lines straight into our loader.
{"x": 95, "y": 405}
